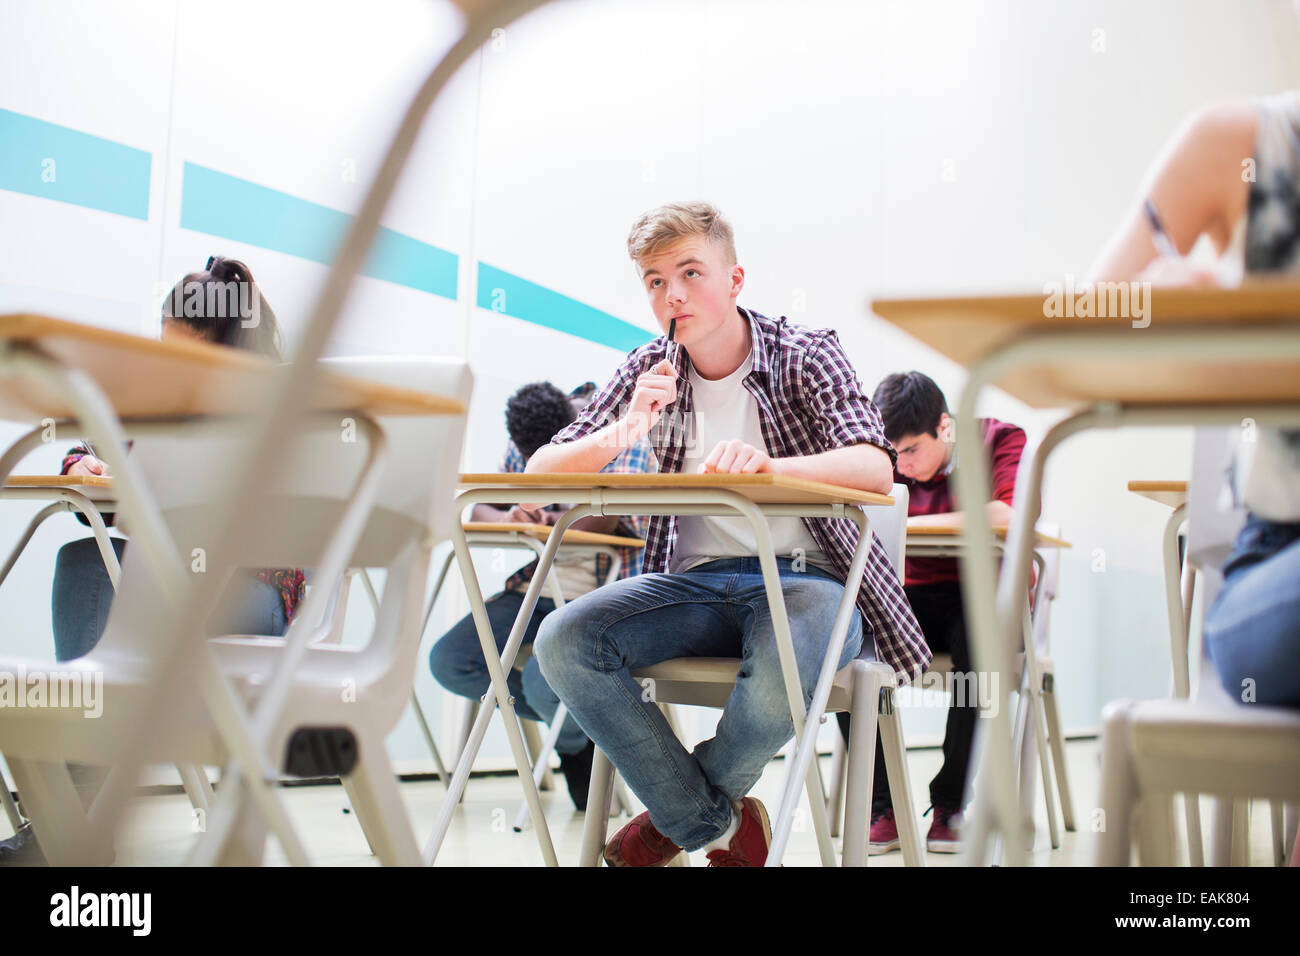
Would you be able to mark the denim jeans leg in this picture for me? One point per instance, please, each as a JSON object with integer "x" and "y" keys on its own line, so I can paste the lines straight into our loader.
{"x": 587, "y": 651}
{"x": 1252, "y": 632}
{"x": 544, "y": 701}
{"x": 456, "y": 660}
{"x": 81, "y": 597}
{"x": 756, "y": 721}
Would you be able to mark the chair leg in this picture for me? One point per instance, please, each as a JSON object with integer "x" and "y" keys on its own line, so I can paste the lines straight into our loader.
{"x": 1192, "y": 813}
{"x": 1156, "y": 829}
{"x": 57, "y": 816}
{"x": 1119, "y": 787}
{"x": 1292, "y": 820}
{"x": 533, "y": 738}
{"x": 622, "y": 800}
{"x": 861, "y": 764}
{"x": 1278, "y": 833}
{"x": 246, "y": 843}
{"x": 1221, "y": 833}
{"x": 377, "y": 799}
{"x": 596, "y": 821}
{"x": 839, "y": 770}
{"x": 1241, "y": 833}
{"x": 194, "y": 789}
{"x": 11, "y": 808}
{"x": 900, "y": 786}
{"x": 349, "y": 786}
{"x": 1056, "y": 738}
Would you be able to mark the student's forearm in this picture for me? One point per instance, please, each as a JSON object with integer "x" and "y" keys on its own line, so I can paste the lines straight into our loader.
{"x": 999, "y": 513}
{"x": 588, "y": 454}
{"x": 865, "y": 467}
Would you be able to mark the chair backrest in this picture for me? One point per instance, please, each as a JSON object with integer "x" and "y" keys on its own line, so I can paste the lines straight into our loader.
{"x": 1214, "y": 518}
{"x": 289, "y": 526}
{"x": 889, "y": 524}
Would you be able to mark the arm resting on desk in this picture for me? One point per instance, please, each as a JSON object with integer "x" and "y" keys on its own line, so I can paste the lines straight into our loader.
{"x": 864, "y": 467}
{"x": 999, "y": 517}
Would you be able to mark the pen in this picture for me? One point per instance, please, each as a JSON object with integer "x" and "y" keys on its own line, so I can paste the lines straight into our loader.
{"x": 672, "y": 329}
{"x": 1164, "y": 245}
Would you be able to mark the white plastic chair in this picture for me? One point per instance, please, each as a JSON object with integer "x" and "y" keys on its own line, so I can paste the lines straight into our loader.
{"x": 1208, "y": 744}
{"x": 865, "y": 687}
{"x": 348, "y": 700}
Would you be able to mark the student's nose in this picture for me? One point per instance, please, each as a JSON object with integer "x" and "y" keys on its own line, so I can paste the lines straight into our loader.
{"x": 676, "y": 294}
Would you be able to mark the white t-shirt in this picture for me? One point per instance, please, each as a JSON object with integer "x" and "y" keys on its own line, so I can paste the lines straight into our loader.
{"x": 724, "y": 409}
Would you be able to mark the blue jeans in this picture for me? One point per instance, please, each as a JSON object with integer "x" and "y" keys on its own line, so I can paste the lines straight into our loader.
{"x": 588, "y": 649}
{"x": 82, "y": 595}
{"x": 457, "y": 664}
{"x": 1252, "y": 632}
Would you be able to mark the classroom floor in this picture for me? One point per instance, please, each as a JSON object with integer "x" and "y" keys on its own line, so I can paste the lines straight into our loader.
{"x": 161, "y": 830}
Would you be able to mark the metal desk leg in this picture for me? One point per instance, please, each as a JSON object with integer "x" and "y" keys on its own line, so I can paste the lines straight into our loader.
{"x": 497, "y": 668}
{"x": 803, "y": 764}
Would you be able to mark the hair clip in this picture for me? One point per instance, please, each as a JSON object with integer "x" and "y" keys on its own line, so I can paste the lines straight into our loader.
{"x": 211, "y": 260}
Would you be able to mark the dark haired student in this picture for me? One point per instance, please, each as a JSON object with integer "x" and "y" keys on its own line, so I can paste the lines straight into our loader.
{"x": 534, "y": 415}
{"x": 221, "y": 304}
{"x": 916, "y": 420}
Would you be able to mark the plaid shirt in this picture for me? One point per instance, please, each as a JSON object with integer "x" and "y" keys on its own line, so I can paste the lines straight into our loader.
{"x": 809, "y": 401}
{"x": 635, "y": 460}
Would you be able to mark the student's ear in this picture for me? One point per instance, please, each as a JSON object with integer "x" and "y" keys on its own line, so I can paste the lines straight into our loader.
{"x": 737, "y": 276}
{"x": 947, "y": 429}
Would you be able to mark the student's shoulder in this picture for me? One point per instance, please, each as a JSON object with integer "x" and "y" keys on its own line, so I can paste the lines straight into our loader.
{"x": 792, "y": 340}
{"x": 997, "y": 432}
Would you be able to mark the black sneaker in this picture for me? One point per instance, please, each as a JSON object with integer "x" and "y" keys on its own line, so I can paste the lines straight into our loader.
{"x": 577, "y": 773}
{"x": 21, "y": 849}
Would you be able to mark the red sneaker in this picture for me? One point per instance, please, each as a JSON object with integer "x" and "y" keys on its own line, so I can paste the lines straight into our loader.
{"x": 944, "y": 835}
{"x": 884, "y": 833}
{"x": 640, "y": 844}
{"x": 753, "y": 837}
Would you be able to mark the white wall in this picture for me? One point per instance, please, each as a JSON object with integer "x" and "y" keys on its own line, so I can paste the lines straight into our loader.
{"x": 860, "y": 149}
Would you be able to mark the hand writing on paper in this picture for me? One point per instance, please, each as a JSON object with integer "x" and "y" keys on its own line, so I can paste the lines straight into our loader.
{"x": 736, "y": 458}
{"x": 531, "y": 514}
{"x": 655, "y": 390}
{"x": 89, "y": 465}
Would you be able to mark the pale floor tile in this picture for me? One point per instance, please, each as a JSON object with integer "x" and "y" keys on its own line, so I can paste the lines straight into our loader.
{"x": 161, "y": 830}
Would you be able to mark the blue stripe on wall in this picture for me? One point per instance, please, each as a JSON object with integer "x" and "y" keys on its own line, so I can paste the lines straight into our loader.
{"x": 234, "y": 208}
{"x": 500, "y": 291}
{"x": 56, "y": 162}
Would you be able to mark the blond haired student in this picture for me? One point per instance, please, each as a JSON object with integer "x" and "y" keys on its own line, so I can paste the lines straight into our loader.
{"x": 726, "y": 390}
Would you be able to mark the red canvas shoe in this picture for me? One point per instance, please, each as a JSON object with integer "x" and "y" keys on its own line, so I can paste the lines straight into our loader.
{"x": 945, "y": 834}
{"x": 753, "y": 837}
{"x": 640, "y": 844}
{"x": 884, "y": 833}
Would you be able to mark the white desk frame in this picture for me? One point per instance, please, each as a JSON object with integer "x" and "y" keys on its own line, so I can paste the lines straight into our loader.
{"x": 660, "y": 501}
{"x": 993, "y": 603}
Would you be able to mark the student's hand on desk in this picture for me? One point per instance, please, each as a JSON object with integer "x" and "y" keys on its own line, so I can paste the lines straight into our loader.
{"x": 734, "y": 457}
{"x": 89, "y": 465}
{"x": 655, "y": 390}
{"x": 1167, "y": 271}
{"x": 530, "y": 514}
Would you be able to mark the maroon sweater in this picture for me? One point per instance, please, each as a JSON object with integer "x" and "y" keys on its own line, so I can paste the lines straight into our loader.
{"x": 1004, "y": 443}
